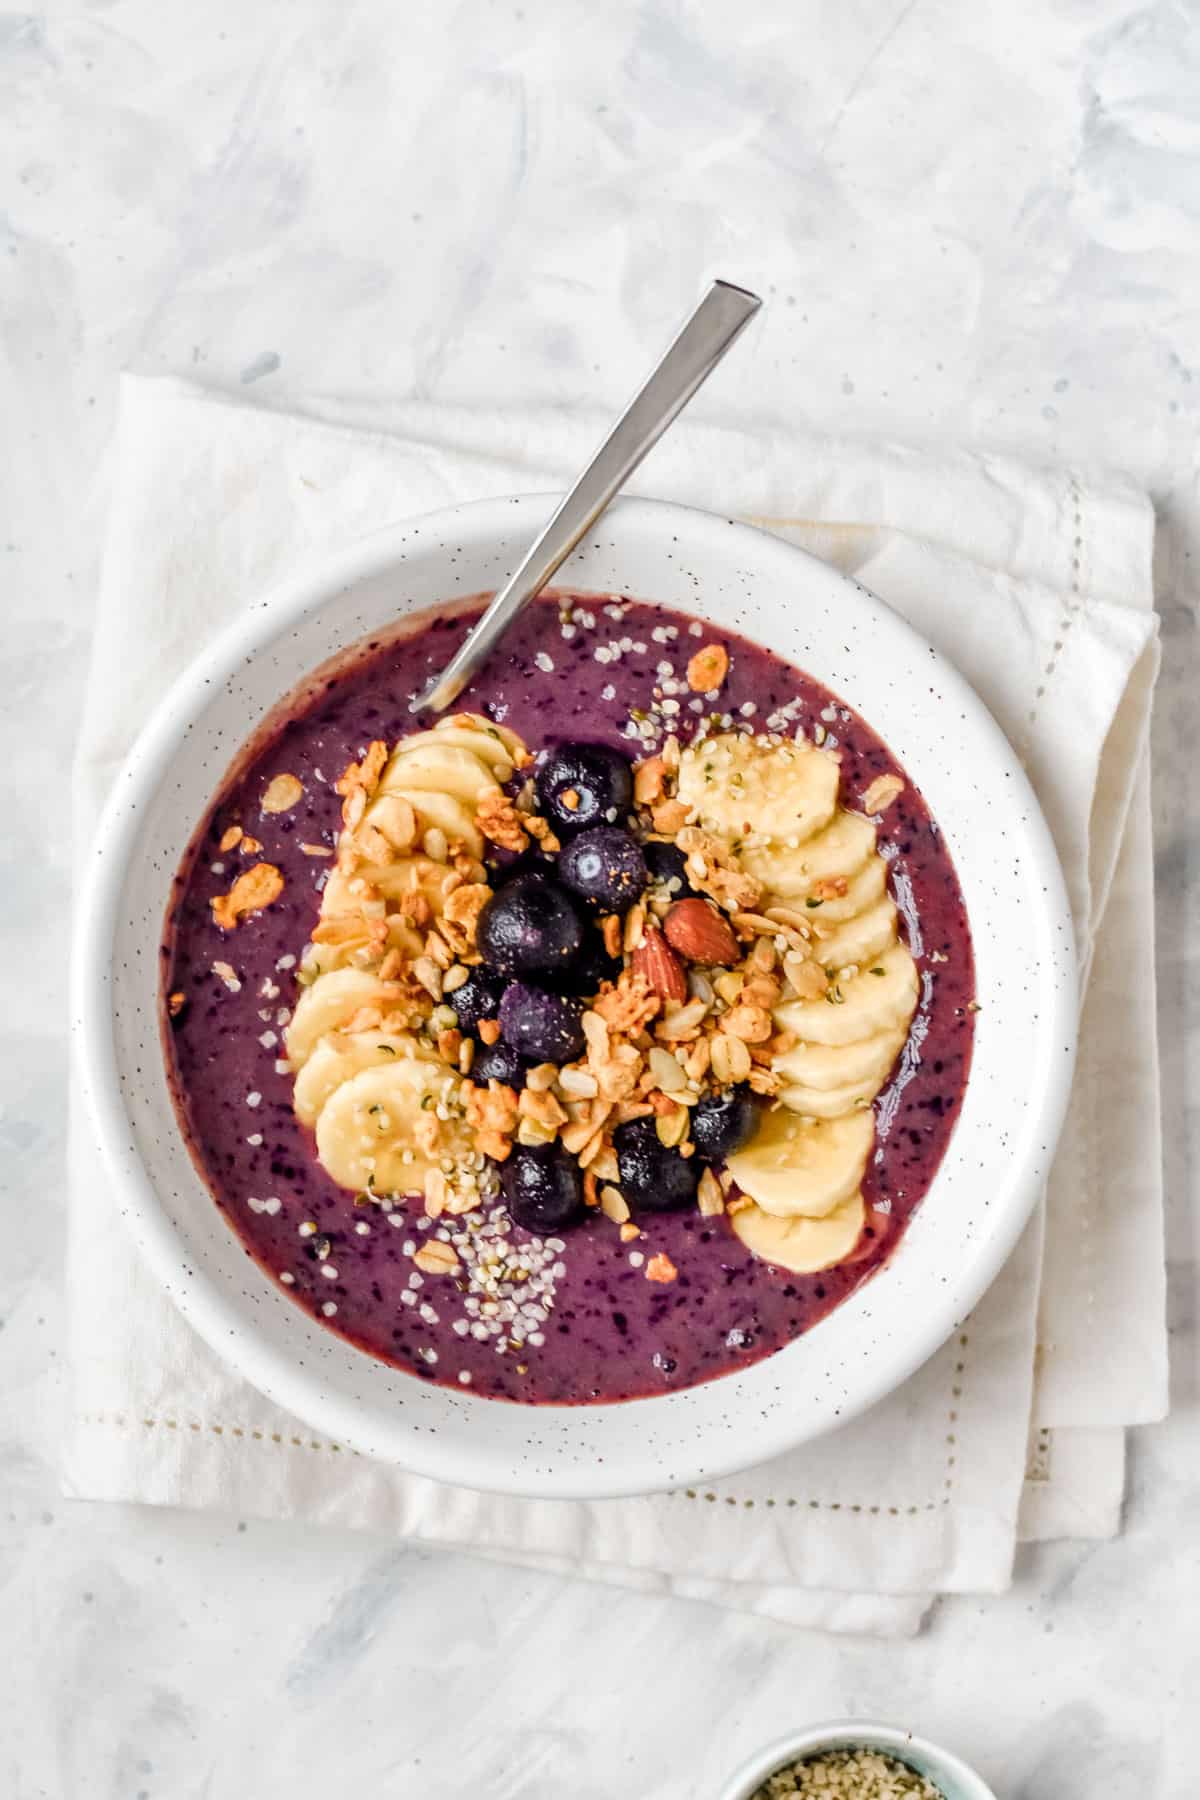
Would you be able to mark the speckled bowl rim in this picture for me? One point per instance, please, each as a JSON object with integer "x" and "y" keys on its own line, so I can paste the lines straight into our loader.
{"x": 956, "y": 1778}
{"x": 573, "y": 1452}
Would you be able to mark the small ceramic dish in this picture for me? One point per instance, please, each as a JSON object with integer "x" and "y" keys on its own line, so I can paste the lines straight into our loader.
{"x": 948, "y": 1773}
{"x": 741, "y": 580}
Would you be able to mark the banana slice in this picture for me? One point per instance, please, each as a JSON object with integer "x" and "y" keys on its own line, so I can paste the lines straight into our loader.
{"x": 339, "y": 899}
{"x": 863, "y": 888}
{"x": 861, "y": 939}
{"x": 841, "y": 849}
{"x": 366, "y": 1129}
{"x": 336, "y": 1057}
{"x": 841, "y": 1065}
{"x": 871, "y": 1004}
{"x": 394, "y": 816}
{"x": 352, "y": 923}
{"x": 447, "y": 812}
{"x": 390, "y": 881}
{"x": 499, "y": 747}
{"x": 828, "y": 1103}
{"x": 804, "y": 1246}
{"x": 327, "y": 1004}
{"x": 802, "y": 1166}
{"x": 357, "y": 948}
{"x": 742, "y": 786}
{"x": 439, "y": 768}
{"x": 493, "y": 745}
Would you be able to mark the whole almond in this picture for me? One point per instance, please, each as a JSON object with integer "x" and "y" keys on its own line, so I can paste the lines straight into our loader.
{"x": 700, "y": 934}
{"x": 658, "y": 964}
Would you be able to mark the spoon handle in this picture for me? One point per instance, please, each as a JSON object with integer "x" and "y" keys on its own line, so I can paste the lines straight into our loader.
{"x": 693, "y": 356}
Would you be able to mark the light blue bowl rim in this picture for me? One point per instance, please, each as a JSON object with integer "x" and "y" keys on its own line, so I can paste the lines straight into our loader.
{"x": 953, "y": 1777}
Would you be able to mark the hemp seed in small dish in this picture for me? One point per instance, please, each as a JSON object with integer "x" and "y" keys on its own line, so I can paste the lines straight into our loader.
{"x": 847, "y": 1775}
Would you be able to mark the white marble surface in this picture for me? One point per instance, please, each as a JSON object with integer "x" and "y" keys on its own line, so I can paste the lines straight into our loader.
{"x": 971, "y": 221}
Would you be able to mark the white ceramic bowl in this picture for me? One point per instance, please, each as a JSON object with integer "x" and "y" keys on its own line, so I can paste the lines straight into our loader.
{"x": 947, "y": 1772}
{"x": 741, "y": 579}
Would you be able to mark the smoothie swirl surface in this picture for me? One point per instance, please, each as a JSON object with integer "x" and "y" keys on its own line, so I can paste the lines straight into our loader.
{"x": 583, "y": 667}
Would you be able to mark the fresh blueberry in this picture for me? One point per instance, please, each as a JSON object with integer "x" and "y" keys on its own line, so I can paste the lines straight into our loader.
{"x": 606, "y": 866}
{"x": 478, "y": 998}
{"x": 653, "y": 1177}
{"x": 586, "y": 973}
{"x": 539, "y": 1025}
{"x": 723, "y": 1124}
{"x": 530, "y": 926}
{"x": 542, "y": 1187}
{"x": 668, "y": 867}
{"x": 579, "y": 785}
{"x": 498, "y": 1062}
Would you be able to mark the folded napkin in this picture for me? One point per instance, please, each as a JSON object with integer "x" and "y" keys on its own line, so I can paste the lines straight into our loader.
{"x": 1037, "y": 585}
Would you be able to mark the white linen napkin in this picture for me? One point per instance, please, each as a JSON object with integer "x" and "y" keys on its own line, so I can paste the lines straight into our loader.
{"x": 1037, "y": 584}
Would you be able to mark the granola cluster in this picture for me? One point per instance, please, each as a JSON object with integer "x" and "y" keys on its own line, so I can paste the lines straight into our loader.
{"x": 407, "y": 894}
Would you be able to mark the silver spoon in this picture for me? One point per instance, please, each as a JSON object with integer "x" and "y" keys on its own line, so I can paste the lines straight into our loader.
{"x": 691, "y": 359}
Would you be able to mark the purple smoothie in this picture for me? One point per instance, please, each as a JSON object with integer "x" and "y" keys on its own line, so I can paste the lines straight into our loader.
{"x": 609, "y": 1334}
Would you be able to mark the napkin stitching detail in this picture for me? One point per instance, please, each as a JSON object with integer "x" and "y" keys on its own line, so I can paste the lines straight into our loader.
{"x": 1074, "y": 607}
{"x": 122, "y": 1422}
{"x": 1037, "y": 1466}
{"x": 809, "y": 524}
{"x": 846, "y": 1506}
{"x": 956, "y": 1389}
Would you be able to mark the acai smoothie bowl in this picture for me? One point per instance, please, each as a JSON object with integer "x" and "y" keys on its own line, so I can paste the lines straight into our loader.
{"x": 615, "y": 1081}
